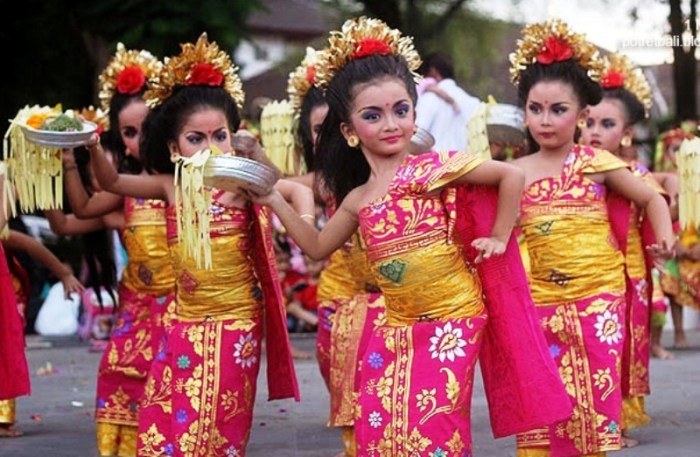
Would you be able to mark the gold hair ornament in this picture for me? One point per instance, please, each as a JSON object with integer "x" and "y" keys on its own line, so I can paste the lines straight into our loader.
{"x": 198, "y": 64}
{"x": 126, "y": 73}
{"x": 360, "y": 38}
{"x": 619, "y": 72}
{"x": 302, "y": 79}
{"x": 553, "y": 41}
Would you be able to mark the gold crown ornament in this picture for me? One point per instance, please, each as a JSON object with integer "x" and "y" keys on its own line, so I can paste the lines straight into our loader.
{"x": 200, "y": 64}
{"x": 359, "y": 38}
{"x": 619, "y": 72}
{"x": 302, "y": 79}
{"x": 553, "y": 41}
{"x": 127, "y": 73}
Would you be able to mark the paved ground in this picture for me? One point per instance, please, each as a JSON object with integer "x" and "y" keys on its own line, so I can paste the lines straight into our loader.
{"x": 58, "y": 418}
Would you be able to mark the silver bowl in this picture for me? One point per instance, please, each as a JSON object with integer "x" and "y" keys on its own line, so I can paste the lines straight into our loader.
{"x": 60, "y": 140}
{"x": 234, "y": 173}
{"x": 421, "y": 141}
{"x": 505, "y": 124}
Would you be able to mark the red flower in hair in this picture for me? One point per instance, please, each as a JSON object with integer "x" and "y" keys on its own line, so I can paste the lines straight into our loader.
{"x": 130, "y": 80}
{"x": 370, "y": 46}
{"x": 612, "y": 80}
{"x": 555, "y": 50}
{"x": 311, "y": 74}
{"x": 204, "y": 74}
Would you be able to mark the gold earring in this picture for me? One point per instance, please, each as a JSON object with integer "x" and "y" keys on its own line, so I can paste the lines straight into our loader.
{"x": 626, "y": 141}
{"x": 581, "y": 124}
{"x": 127, "y": 152}
{"x": 353, "y": 141}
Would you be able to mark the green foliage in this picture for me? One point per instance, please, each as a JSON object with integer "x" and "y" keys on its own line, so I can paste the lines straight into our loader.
{"x": 58, "y": 48}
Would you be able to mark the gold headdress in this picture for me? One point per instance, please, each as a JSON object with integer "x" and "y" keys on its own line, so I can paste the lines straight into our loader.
{"x": 553, "y": 41}
{"x": 360, "y": 38}
{"x": 126, "y": 73}
{"x": 619, "y": 72}
{"x": 302, "y": 79}
{"x": 199, "y": 64}
{"x": 97, "y": 116}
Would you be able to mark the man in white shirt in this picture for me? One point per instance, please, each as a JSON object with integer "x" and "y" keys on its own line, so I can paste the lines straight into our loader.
{"x": 444, "y": 108}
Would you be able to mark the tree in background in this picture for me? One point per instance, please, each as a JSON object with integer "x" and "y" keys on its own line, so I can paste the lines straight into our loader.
{"x": 684, "y": 62}
{"x": 58, "y": 48}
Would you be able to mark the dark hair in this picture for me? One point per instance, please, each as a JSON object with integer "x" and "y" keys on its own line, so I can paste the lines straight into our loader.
{"x": 632, "y": 107}
{"x": 125, "y": 163}
{"x": 163, "y": 124}
{"x": 343, "y": 168}
{"x": 98, "y": 251}
{"x": 440, "y": 63}
{"x": 587, "y": 91}
{"x": 313, "y": 99}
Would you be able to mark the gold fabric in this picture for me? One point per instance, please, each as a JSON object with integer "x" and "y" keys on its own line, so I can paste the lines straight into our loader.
{"x": 224, "y": 292}
{"x": 415, "y": 296}
{"x": 149, "y": 269}
{"x": 349, "y": 441}
{"x": 633, "y": 413}
{"x": 335, "y": 281}
{"x": 8, "y": 411}
{"x": 636, "y": 264}
{"x": 544, "y": 452}
{"x": 572, "y": 253}
{"x": 116, "y": 440}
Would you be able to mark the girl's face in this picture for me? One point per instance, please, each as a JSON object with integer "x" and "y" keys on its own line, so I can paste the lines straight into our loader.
{"x": 316, "y": 118}
{"x": 201, "y": 130}
{"x": 130, "y": 122}
{"x": 382, "y": 117}
{"x": 605, "y": 125}
{"x": 551, "y": 113}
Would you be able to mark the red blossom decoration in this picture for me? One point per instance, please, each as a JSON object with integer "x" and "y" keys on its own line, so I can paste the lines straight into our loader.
{"x": 204, "y": 74}
{"x": 555, "y": 50}
{"x": 370, "y": 46}
{"x": 311, "y": 74}
{"x": 612, "y": 80}
{"x": 130, "y": 80}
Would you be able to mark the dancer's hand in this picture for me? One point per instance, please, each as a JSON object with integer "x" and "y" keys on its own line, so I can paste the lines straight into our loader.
{"x": 488, "y": 247}
{"x": 662, "y": 253}
{"x": 246, "y": 145}
{"x": 71, "y": 285}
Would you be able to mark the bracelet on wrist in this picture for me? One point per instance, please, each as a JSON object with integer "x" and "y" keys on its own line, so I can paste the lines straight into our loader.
{"x": 310, "y": 217}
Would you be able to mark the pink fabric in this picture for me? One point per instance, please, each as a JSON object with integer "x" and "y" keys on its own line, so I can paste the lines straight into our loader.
{"x": 14, "y": 373}
{"x": 326, "y": 311}
{"x": 191, "y": 388}
{"x": 281, "y": 376}
{"x": 127, "y": 358}
{"x": 431, "y": 411}
{"x": 522, "y": 383}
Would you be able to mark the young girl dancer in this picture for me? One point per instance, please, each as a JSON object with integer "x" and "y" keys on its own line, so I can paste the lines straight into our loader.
{"x": 576, "y": 266}
{"x": 417, "y": 372}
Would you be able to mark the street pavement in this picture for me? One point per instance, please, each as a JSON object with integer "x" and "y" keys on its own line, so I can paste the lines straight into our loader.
{"x": 58, "y": 417}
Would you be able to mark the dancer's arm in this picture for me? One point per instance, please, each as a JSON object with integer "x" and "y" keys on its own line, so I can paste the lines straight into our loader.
{"x": 83, "y": 204}
{"x": 644, "y": 197}
{"x": 510, "y": 181}
{"x": 25, "y": 243}
{"x": 137, "y": 186}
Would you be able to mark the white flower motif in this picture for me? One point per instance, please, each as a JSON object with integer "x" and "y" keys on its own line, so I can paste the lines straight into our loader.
{"x": 447, "y": 343}
{"x": 245, "y": 351}
{"x": 641, "y": 289}
{"x": 608, "y": 328}
{"x": 375, "y": 419}
{"x": 232, "y": 452}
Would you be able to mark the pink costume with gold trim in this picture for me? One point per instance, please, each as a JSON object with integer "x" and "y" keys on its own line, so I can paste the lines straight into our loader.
{"x": 200, "y": 396}
{"x": 578, "y": 283}
{"x": 146, "y": 291}
{"x": 417, "y": 372}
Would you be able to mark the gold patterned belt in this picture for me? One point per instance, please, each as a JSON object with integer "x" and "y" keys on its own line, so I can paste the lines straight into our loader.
{"x": 404, "y": 244}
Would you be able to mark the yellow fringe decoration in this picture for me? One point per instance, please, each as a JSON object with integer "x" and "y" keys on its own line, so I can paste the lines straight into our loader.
{"x": 688, "y": 160}
{"x": 276, "y": 132}
{"x": 193, "y": 201}
{"x": 36, "y": 172}
{"x": 477, "y": 133}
